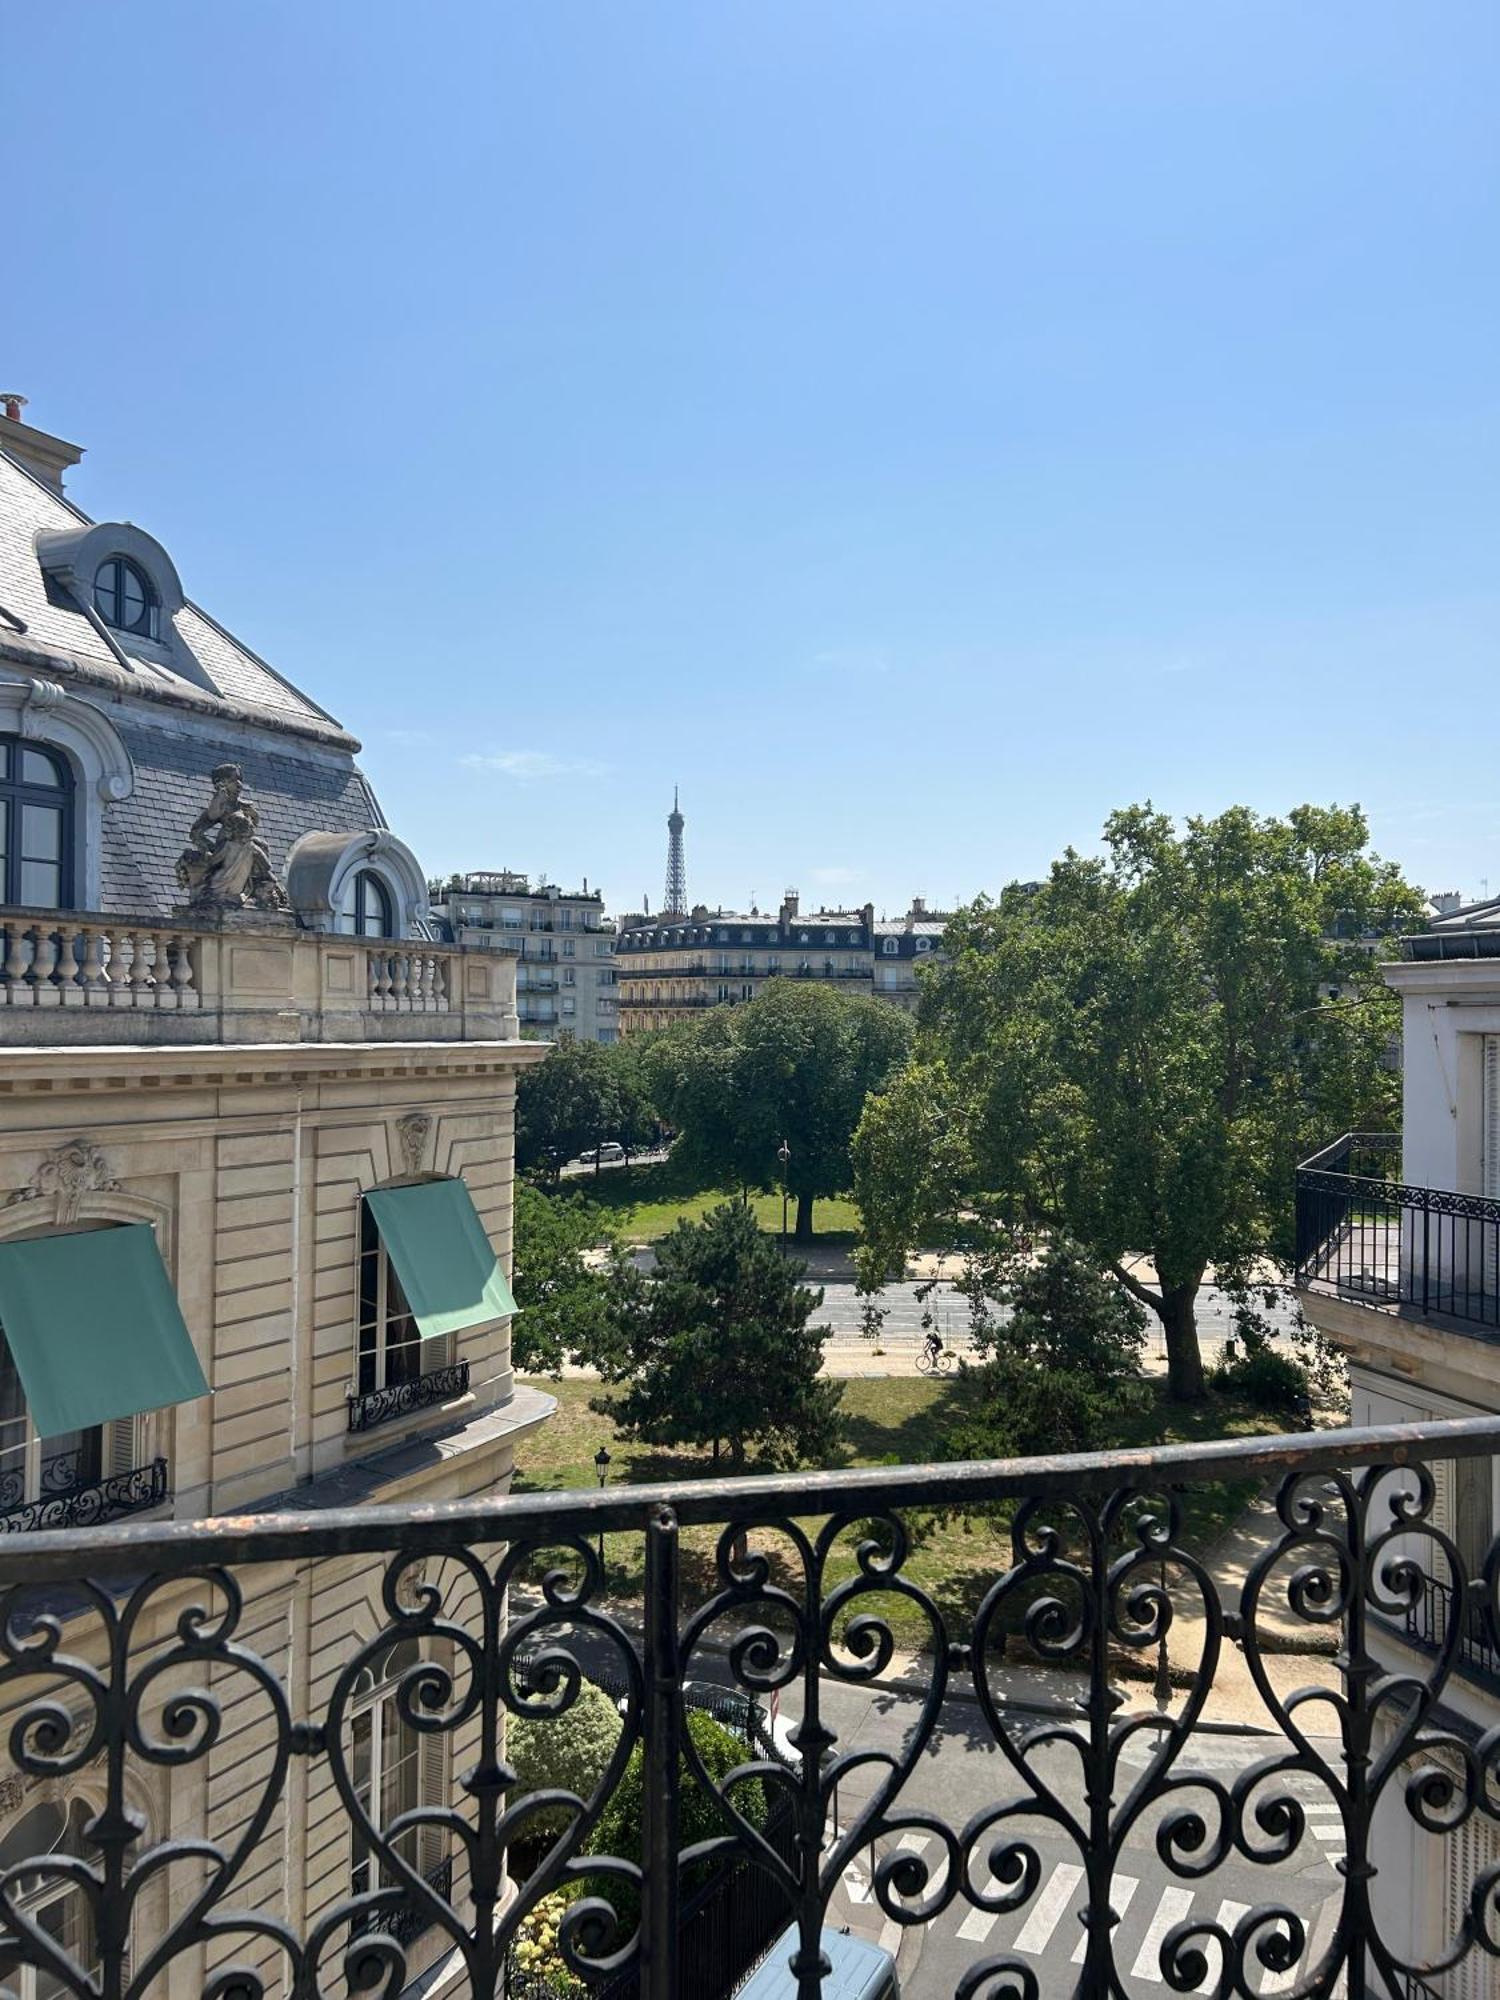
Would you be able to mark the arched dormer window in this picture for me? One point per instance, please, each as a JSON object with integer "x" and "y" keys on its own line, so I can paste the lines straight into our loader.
{"x": 36, "y": 826}
{"x": 366, "y": 910}
{"x": 126, "y": 599}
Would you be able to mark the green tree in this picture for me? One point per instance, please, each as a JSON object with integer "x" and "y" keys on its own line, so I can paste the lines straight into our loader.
{"x": 567, "y": 1263}
{"x": 636, "y": 1123}
{"x": 1139, "y": 1051}
{"x": 565, "y": 1104}
{"x": 715, "y": 1347}
{"x": 793, "y": 1066}
{"x": 1062, "y": 1345}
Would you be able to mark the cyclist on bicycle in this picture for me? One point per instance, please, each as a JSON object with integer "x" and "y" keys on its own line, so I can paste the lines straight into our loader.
{"x": 932, "y": 1348}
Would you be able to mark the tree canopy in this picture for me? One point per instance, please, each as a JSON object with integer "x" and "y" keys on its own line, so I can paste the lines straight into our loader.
{"x": 1061, "y": 1362}
{"x": 1140, "y": 1049}
{"x": 563, "y": 1291}
{"x": 715, "y": 1347}
{"x": 583, "y": 1094}
{"x": 795, "y": 1066}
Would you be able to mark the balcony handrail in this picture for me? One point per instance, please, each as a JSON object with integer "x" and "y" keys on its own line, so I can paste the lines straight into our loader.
{"x": 1385, "y": 1243}
{"x": 1375, "y": 1142}
{"x": 52, "y": 1556}
{"x": 524, "y": 1574}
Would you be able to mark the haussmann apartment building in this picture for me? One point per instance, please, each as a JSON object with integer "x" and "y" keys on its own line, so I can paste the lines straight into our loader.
{"x": 255, "y": 1223}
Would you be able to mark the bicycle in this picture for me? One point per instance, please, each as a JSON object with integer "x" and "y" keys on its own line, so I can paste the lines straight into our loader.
{"x": 934, "y": 1358}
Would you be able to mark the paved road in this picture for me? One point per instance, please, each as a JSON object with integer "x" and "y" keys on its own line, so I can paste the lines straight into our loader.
{"x": 1046, "y": 1933}
{"x": 903, "y": 1329}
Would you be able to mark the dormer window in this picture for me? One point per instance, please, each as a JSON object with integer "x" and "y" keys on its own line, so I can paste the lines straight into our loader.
{"x": 367, "y": 906}
{"x": 124, "y": 598}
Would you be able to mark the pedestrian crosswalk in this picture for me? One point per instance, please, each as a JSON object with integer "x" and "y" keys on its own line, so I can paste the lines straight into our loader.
{"x": 1147, "y": 1911}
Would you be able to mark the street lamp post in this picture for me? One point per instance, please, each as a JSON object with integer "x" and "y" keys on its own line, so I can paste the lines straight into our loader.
{"x": 783, "y": 1153}
{"x": 601, "y": 1468}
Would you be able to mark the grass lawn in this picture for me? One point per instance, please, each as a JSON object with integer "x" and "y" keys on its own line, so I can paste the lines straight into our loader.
{"x": 890, "y": 1422}
{"x": 644, "y": 1203}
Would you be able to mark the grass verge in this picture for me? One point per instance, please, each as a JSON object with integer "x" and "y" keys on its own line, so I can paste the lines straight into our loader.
{"x": 644, "y": 1203}
{"x": 901, "y": 1421}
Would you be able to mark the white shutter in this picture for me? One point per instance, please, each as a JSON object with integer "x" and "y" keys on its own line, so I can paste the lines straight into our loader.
{"x": 1472, "y": 1849}
{"x": 432, "y": 1790}
{"x": 1444, "y": 1514}
{"x": 119, "y": 1446}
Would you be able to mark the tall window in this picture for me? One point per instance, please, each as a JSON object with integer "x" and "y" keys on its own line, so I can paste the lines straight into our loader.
{"x": 391, "y": 1350}
{"x": 36, "y": 826}
{"x": 367, "y": 906}
{"x": 123, "y": 597}
{"x": 394, "y": 1767}
{"x": 56, "y": 1908}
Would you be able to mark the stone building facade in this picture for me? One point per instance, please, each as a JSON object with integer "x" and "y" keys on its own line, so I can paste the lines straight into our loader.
{"x": 670, "y": 967}
{"x": 1398, "y": 1250}
{"x": 563, "y": 943}
{"x": 236, "y": 1061}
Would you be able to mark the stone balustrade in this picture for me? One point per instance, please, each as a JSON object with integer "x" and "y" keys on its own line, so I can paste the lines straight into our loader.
{"x": 82, "y": 977}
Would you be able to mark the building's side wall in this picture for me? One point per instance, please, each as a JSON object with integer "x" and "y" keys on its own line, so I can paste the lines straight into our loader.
{"x": 254, "y": 1178}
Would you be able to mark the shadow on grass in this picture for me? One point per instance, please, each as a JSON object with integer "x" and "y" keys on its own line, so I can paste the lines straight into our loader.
{"x": 917, "y": 1439}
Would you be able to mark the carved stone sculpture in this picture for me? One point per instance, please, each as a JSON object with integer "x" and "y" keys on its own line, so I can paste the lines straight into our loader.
{"x": 413, "y": 1130}
{"x": 70, "y": 1171}
{"x": 225, "y": 866}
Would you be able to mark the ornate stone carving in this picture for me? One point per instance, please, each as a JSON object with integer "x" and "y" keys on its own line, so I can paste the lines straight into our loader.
{"x": 413, "y": 1129}
{"x": 224, "y": 865}
{"x": 69, "y": 1172}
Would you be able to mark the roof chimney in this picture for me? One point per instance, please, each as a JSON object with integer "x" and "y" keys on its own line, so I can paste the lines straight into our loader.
{"x": 789, "y": 904}
{"x": 46, "y": 456}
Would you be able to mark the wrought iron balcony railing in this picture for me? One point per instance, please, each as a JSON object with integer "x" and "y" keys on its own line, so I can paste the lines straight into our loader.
{"x": 481, "y": 1613}
{"x": 1364, "y": 1236}
{"x": 1429, "y": 1620}
{"x": 400, "y": 1399}
{"x": 66, "y": 1501}
{"x": 408, "y": 1921}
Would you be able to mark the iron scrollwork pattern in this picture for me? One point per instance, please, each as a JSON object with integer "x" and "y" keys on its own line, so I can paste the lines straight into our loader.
{"x": 66, "y": 1501}
{"x": 400, "y": 1399}
{"x": 805, "y": 1594}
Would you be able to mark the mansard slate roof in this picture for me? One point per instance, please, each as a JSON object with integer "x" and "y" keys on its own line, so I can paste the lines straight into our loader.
{"x": 225, "y": 706}
{"x": 1472, "y": 932}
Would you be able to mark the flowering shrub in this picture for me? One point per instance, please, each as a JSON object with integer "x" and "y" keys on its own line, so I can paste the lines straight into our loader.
{"x": 535, "y": 1955}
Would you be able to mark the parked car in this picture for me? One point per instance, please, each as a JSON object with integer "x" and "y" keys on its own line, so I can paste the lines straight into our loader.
{"x": 859, "y": 1970}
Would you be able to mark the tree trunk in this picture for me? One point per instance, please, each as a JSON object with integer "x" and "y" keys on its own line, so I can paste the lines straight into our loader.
{"x": 803, "y": 1233}
{"x": 1179, "y": 1322}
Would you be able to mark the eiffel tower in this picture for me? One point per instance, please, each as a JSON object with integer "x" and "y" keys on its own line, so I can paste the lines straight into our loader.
{"x": 675, "y": 901}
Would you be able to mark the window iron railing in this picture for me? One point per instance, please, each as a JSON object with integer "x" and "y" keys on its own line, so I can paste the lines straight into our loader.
{"x": 810, "y": 1583}
{"x": 67, "y": 1501}
{"x": 371, "y": 1407}
{"x": 408, "y": 1921}
{"x": 1364, "y": 1236}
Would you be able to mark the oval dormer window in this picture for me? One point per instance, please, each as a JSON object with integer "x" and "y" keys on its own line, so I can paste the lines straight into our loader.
{"x": 367, "y": 906}
{"x": 124, "y": 599}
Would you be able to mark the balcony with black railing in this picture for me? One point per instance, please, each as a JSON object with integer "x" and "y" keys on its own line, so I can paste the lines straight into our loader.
{"x": 68, "y": 1497}
{"x": 372, "y": 1407}
{"x": 125, "y": 1651}
{"x": 1365, "y": 1237}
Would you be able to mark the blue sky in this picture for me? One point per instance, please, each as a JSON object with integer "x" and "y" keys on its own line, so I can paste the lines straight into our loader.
{"x": 912, "y": 428}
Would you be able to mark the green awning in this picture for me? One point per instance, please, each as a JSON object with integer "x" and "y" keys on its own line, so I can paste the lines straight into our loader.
{"x": 441, "y": 1254}
{"x": 95, "y": 1327}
